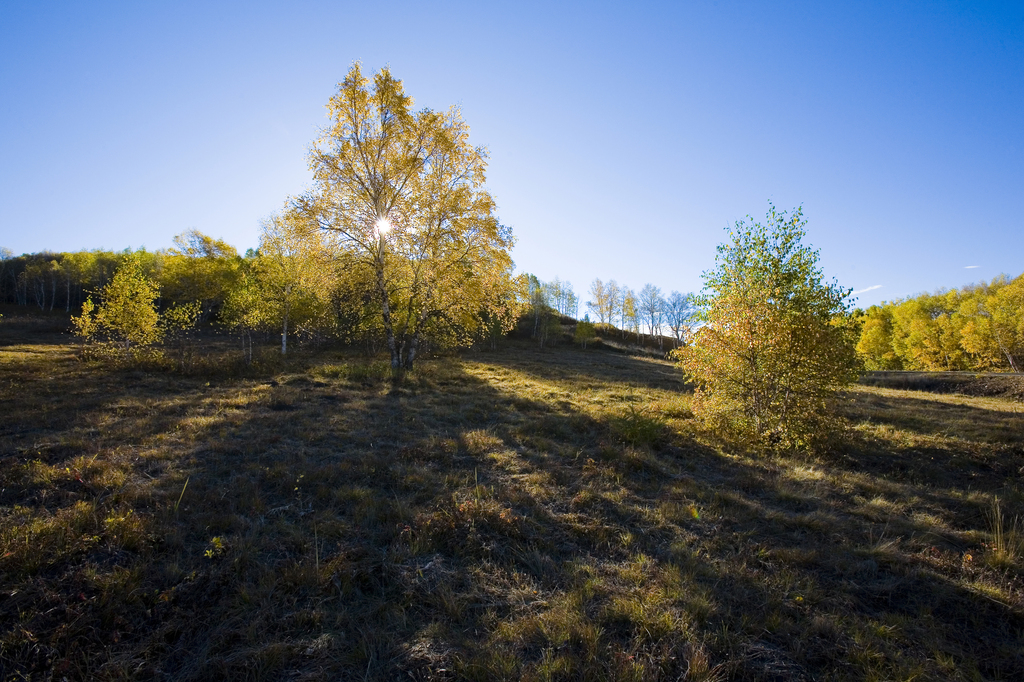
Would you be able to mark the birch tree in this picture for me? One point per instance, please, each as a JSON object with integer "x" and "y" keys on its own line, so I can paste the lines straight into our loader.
{"x": 630, "y": 312}
{"x": 679, "y": 313}
{"x": 614, "y": 301}
{"x": 403, "y": 192}
{"x": 293, "y": 271}
{"x": 244, "y": 310}
{"x": 993, "y": 324}
{"x": 125, "y": 323}
{"x": 775, "y": 345}
{"x": 538, "y": 296}
{"x": 601, "y": 305}
{"x": 563, "y": 298}
{"x": 875, "y": 344}
{"x": 652, "y": 306}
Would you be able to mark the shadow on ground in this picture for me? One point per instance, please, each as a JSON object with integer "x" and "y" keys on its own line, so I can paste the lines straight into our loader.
{"x": 487, "y": 520}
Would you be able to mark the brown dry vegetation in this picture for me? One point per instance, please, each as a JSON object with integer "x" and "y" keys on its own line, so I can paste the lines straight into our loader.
{"x": 520, "y": 514}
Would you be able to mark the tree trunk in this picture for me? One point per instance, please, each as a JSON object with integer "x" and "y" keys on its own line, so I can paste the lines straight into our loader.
{"x": 414, "y": 345}
{"x": 1002, "y": 347}
{"x": 385, "y": 310}
{"x": 284, "y": 330}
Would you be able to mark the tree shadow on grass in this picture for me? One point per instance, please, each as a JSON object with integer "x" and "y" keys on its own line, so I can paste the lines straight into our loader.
{"x": 35, "y": 329}
{"x": 455, "y": 527}
{"x": 924, "y": 414}
{"x": 561, "y": 363}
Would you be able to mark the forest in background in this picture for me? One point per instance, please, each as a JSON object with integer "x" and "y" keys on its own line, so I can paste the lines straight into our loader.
{"x": 326, "y": 298}
{"x": 290, "y": 284}
{"x": 977, "y": 327}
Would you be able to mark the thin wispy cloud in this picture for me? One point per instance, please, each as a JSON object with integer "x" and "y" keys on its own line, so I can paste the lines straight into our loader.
{"x": 971, "y": 267}
{"x": 871, "y": 288}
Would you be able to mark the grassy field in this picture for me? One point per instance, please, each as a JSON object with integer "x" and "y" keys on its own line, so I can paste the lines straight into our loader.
{"x": 518, "y": 514}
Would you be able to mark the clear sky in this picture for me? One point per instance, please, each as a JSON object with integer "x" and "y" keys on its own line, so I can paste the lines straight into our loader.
{"x": 624, "y": 137}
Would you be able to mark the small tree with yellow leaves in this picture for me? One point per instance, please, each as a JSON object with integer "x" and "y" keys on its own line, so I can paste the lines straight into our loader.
{"x": 775, "y": 342}
{"x": 125, "y": 324}
{"x": 585, "y": 332}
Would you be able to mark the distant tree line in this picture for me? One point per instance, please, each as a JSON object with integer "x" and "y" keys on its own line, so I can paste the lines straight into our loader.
{"x": 292, "y": 286}
{"x": 197, "y": 268}
{"x": 979, "y": 327}
{"x": 54, "y": 281}
{"x": 616, "y": 310}
{"x": 645, "y": 312}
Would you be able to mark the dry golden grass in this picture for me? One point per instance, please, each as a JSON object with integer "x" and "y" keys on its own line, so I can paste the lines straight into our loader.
{"x": 520, "y": 514}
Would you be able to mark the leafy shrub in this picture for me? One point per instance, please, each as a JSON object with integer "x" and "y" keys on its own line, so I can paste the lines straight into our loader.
{"x": 180, "y": 323}
{"x": 776, "y": 342}
{"x": 125, "y": 325}
{"x": 639, "y": 426}
{"x": 359, "y": 373}
{"x": 585, "y": 332}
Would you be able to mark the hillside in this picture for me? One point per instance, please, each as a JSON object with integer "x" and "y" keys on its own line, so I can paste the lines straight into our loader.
{"x": 522, "y": 513}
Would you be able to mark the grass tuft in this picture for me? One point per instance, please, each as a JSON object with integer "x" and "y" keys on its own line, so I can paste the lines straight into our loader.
{"x": 1006, "y": 542}
{"x": 639, "y": 426}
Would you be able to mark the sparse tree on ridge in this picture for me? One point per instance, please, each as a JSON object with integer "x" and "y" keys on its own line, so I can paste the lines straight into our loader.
{"x": 679, "y": 312}
{"x": 624, "y": 293}
{"x": 572, "y": 305}
{"x": 601, "y": 305}
{"x": 554, "y": 288}
{"x": 538, "y": 294}
{"x": 546, "y": 322}
{"x": 555, "y": 293}
{"x": 562, "y": 297}
{"x": 652, "y": 306}
{"x": 614, "y": 298}
{"x": 630, "y": 312}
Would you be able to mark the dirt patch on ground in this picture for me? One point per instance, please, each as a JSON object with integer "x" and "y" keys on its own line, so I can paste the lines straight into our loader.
{"x": 982, "y": 384}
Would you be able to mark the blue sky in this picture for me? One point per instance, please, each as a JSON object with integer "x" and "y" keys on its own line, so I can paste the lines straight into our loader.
{"x": 623, "y": 138}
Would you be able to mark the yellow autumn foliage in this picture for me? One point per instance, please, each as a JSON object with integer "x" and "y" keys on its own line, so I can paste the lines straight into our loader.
{"x": 774, "y": 344}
